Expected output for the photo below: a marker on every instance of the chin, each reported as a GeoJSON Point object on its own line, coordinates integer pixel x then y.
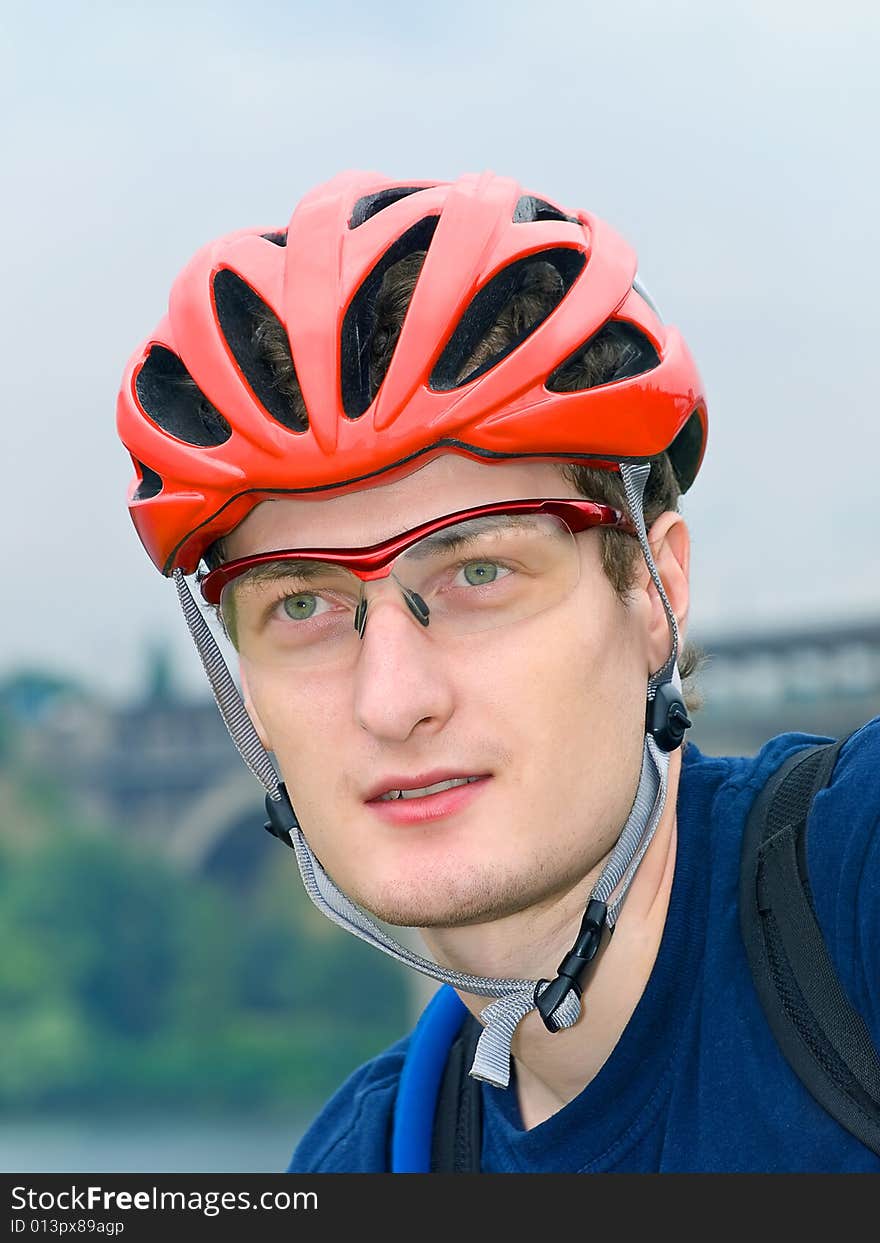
{"type": "Point", "coordinates": [453, 901]}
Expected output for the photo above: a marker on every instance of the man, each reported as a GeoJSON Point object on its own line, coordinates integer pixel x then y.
{"type": "Point", "coordinates": [427, 444]}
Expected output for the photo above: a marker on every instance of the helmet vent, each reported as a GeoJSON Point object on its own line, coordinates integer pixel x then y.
{"type": "Point", "coordinates": [617, 351]}
{"type": "Point", "coordinates": [505, 313]}
{"type": "Point", "coordinates": [359, 328]}
{"type": "Point", "coordinates": [173, 400]}
{"type": "Point", "coordinates": [371, 204]}
{"type": "Point", "coordinates": [686, 450]}
{"type": "Point", "coordinates": [529, 209]}
{"type": "Point", "coordinates": [150, 484]}
{"type": "Point", "coordinates": [277, 239]}
{"type": "Point", "coordinates": [260, 346]}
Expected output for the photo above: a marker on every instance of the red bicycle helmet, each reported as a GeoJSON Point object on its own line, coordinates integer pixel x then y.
{"type": "Point", "coordinates": [211, 437]}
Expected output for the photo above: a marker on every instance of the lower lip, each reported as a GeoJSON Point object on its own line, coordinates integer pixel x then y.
{"type": "Point", "coordinates": [429, 806]}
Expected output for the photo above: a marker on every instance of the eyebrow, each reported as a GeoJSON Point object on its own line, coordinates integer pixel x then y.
{"type": "Point", "coordinates": [275, 571]}
{"type": "Point", "coordinates": [462, 533]}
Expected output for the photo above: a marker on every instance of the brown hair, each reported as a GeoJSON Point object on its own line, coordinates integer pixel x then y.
{"type": "Point", "coordinates": [538, 290]}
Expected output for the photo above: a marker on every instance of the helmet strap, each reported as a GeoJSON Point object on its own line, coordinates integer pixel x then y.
{"type": "Point", "coordinates": [666, 718]}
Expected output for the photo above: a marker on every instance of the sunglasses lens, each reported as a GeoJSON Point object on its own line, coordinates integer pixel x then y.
{"type": "Point", "coordinates": [491, 571]}
{"type": "Point", "coordinates": [476, 575]}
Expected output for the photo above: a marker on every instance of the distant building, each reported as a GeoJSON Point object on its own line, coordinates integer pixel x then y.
{"type": "Point", "coordinates": [817, 680]}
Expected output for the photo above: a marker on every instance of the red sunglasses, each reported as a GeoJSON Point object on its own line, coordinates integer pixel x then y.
{"type": "Point", "coordinates": [373, 562]}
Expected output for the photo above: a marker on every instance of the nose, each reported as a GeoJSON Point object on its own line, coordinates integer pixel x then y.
{"type": "Point", "coordinates": [401, 681]}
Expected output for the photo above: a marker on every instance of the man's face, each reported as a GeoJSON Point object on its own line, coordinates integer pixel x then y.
{"type": "Point", "coordinates": [549, 711]}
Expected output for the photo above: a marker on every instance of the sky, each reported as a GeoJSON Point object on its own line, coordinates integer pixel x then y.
{"type": "Point", "coordinates": [734, 145]}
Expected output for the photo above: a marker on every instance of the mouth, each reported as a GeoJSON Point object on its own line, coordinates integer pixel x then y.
{"type": "Point", "coordinates": [437, 788]}
{"type": "Point", "coordinates": [419, 804]}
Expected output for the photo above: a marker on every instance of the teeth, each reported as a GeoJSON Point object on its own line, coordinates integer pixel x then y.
{"type": "Point", "coordinates": [434, 789]}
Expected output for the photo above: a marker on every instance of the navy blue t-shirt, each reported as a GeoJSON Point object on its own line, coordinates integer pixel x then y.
{"type": "Point", "coordinates": [696, 1081]}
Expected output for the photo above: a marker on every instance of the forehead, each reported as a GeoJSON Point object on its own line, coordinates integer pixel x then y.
{"type": "Point", "coordinates": [364, 517]}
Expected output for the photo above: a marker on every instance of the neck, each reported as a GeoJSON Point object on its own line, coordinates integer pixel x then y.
{"type": "Point", "coordinates": [552, 1069]}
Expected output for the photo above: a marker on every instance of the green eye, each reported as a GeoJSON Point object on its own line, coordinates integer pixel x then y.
{"type": "Point", "coordinates": [300, 607]}
{"type": "Point", "coordinates": [479, 572]}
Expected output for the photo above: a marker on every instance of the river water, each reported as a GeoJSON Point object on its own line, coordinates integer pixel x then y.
{"type": "Point", "coordinates": [149, 1146]}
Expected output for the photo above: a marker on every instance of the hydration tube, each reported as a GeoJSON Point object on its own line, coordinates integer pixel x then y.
{"type": "Point", "coordinates": [429, 1045]}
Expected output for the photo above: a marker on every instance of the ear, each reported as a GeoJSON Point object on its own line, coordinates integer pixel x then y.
{"type": "Point", "coordinates": [251, 710]}
{"type": "Point", "coordinates": [670, 544]}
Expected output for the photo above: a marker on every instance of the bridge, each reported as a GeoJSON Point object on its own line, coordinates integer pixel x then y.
{"type": "Point", "coordinates": [818, 679]}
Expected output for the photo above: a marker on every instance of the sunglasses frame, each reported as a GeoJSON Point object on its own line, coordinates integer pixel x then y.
{"type": "Point", "coordinates": [375, 561]}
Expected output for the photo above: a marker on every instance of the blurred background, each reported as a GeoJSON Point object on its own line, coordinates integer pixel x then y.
{"type": "Point", "coordinates": [169, 1000]}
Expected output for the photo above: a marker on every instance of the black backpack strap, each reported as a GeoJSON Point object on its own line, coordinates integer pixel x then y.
{"type": "Point", "coordinates": [823, 1038]}
{"type": "Point", "coordinates": [455, 1146]}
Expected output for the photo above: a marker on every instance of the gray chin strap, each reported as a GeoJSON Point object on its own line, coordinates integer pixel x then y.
{"type": "Point", "coordinates": [513, 998]}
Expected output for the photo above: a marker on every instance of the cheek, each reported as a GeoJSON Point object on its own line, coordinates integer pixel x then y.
{"type": "Point", "coordinates": [580, 652]}
{"type": "Point", "coordinates": [557, 685]}
{"type": "Point", "coordinates": [571, 697]}
{"type": "Point", "coordinates": [300, 715]}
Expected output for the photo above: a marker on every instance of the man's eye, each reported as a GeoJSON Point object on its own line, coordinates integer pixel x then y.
{"type": "Point", "coordinates": [480, 573]}
{"type": "Point", "coordinates": [302, 606]}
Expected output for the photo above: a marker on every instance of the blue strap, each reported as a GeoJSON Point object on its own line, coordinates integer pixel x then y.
{"type": "Point", "coordinates": [420, 1079]}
